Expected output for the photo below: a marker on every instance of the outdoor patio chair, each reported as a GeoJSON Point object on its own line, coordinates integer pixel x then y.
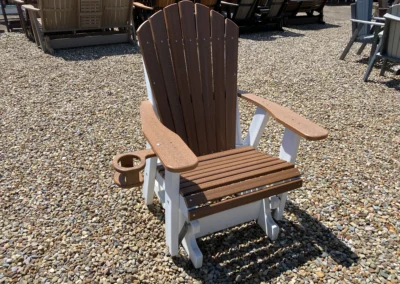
{"type": "Point", "coordinates": [72, 23]}
{"type": "Point", "coordinates": [364, 29]}
{"type": "Point", "coordinates": [24, 17]}
{"type": "Point", "coordinates": [206, 178]}
{"type": "Point", "coordinates": [242, 12]}
{"type": "Point", "coordinates": [10, 23]}
{"type": "Point", "coordinates": [271, 12]}
{"type": "Point", "coordinates": [298, 12]}
{"type": "Point", "coordinates": [144, 9]}
{"type": "Point", "coordinates": [389, 46]}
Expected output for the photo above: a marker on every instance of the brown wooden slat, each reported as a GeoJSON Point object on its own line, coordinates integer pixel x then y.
{"type": "Point", "coordinates": [226, 163]}
{"type": "Point", "coordinates": [222, 162]}
{"type": "Point", "coordinates": [208, 177]}
{"type": "Point", "coordinates": [172, 20]}
{"type": "Point", "coordinates": [221, 192]}
{"type": "Point", "coordinates": [162, 48]}
{"type": "Point", "coordinates": [225, 153]}
{"type": "Point", "coordinates": [155, 74]}
{"type": "Point", "coordinates": [235, 166]}
{"type": "Point", "coordinates": [231, 46]}
{"type": "Point", "coordinates": [218, 54]}
{"type": "Point", "coordinates": [234, 178]}
{"type": "Point", "coordinates": [203, 40]}
{"type": "Point", "coordinates": [188, 25]}
{"type": "Point", "coordinates": [242, 200]}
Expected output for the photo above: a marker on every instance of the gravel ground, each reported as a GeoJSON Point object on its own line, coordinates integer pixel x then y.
{"type": "Point", "coordinates": [63, 118]}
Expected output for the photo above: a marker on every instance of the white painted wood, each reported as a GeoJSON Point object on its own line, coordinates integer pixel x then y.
{"type": "Point", "coordinates": [266, 221]}
{"type": "Point", "coordinates": [239, 141]}
{"type": "Point", "coordinates": [257, 127]}
{"type": "Point", "coordinates": [149, 90]}
{"type": "Point", "coordinates": [190, 244]}
{"type": "Point", "coordinates": [149, 178]}
{"type": "Point", "coordinates": [160, 192]}
{"type": "Point", "coordinates": [228, 218]}
{"type": "Point", "coordinates": [172, 211]}
{"type": "Point", "coordinates": [288, 152]}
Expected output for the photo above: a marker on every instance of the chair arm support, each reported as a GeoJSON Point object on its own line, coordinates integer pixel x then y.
{"type": "Point", "coordinates": [380, 19]}
{"type": "Point", "coordinates": [173, 152]}
{"type": "Point", "coordinates": [229, 4]}
{"type": "Point", "coordinates": [31, 7]}
{"type": "Point", "coordinates": [19, 2]}
{"type": "Point", "coordinates": [142, 6]}
{"type": "Point", "coordinates": [368, 22]}
{"type": "Point", "coordinates": [392, 17]}
{"type": "Point", "coordinates": [298, 124]}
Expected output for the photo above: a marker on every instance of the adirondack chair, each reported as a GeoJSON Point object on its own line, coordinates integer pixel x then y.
{"type": "Point", "coordinates": [208, 179]}
{"type": "Point", "coordinates": [307, 8]}
{"type": "Point", "coordinates": [271, 12]}
{"type": "Point", "coordinates": [212, 4]}
{"type": "Point", "coordinates": [143, 10]}
{"type": "Point", "coordinates": [389, 46]}
{"type": "Point", "coordinates": [24, 17]}
{"type": "Point", "coordinates": [72, 23]}
{"type": "Point", "coordinates": [361, 18]}
{"type": "Point", "coordinates": [10, 24]}
{"type": "Point", "coordinates": [242, 12]}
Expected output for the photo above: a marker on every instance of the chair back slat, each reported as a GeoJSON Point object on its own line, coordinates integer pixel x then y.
{"type": "Point", "coordinates": [218, 54]}
{"type": "Point", "coordinates": [245, 9]}
{"type": "Point", "coordinates": [157, 23]}
{"type": "Point", "coordinates": [194, 74]}
{"type": "Point", "coordinates": [192, 65]}
{"type": "Point", "coordinates": [231, 46]}
{"type": "Point", "coordinates": [275, 8]}
{"type": "Point", "coordinates": [204, 46]}
{"type": "Point", "coordinates": [154, 72]}
{"type": "Point", "coordinates": [393, 46]}
{"type": "Point", "coordinates": [172, 19]}
{"type": "Point", "coordinates": [364, 13]}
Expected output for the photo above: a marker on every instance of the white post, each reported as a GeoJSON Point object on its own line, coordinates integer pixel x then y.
{"type": "Point", "coordinates": [172, 211]}
{"type": "Point", "coordinates": [288, 152]}
{"type": "Point", "coordinates": [149, 179]}
{"type": "Point", "coordinates": [266, 221]}
{"type": "Point", "coordinates": [239, 141]}
{"type": "Point", "coordinates": [257, 127]}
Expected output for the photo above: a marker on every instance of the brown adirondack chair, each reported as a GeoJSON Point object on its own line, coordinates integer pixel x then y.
{"type": "Point", "coordinates": [72, 23]}
{"type": "Point", "coordinates": [144, 9]}
{"type": "Point", "coordinates": [208, 178]}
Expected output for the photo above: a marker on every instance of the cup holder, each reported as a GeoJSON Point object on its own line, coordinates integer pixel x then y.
{"type": "Point", "coordinates": [128, 167]}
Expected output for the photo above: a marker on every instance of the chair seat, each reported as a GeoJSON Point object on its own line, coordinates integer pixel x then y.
{"type": "Point", "coordinates": [232, 178]}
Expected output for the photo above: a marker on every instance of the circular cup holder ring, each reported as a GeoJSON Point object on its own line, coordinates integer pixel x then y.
{"type": "Point", "coordinates": [128, 167]}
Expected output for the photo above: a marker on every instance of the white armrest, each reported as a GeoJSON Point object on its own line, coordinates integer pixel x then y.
{"type": "Point", "coordinates": [368, 23]}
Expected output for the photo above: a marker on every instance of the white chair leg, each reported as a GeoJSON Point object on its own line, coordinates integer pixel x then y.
{"type": "Point", "coordinates": [288, 152]}
{"type": "Point", "coordinates": [190, 244]}
{"type": "Point", "coordinates": [149, 180]}
{"type": "Point", "coordinates": [266, 221]}
{"type": "Point", "coordinates": [172, 211]}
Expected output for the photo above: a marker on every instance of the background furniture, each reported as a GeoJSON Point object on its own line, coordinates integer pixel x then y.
{"type": "Point", "coordinates": [72, 23]}
{"type": "Point", "coordinates": [389, 46]}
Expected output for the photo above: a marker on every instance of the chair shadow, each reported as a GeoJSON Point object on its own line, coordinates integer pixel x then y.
{"type": "Point", "coordinates": [266, 35]}
{"type": "Point", "coordinates": [314, 27]}
{"type": "Point", "coordinates": [96, 52]}
{"type": "Point", "coordinates": [246, 251]}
